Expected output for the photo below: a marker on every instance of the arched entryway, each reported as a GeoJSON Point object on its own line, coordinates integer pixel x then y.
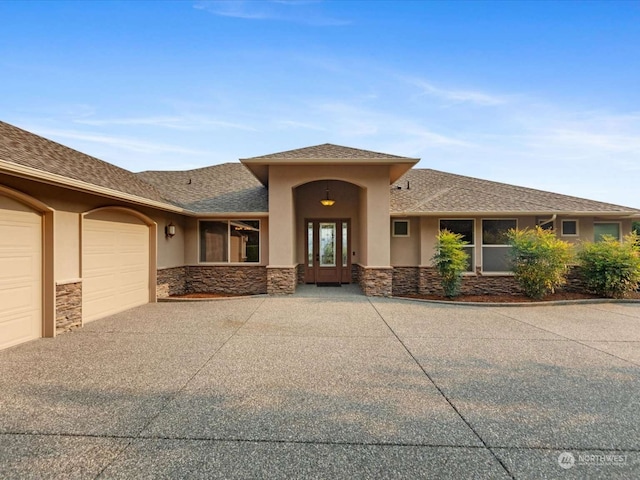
{"type": "Point", "coordinates": [327, 232]}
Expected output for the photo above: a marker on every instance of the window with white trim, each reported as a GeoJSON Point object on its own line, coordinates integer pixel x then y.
{"type": "Point", "coordinates": [495, 245]}
{"type": "Point", "coordinates": [611, 229]}
{"type": "Point", "coordinates": [401, 228]}
{"type": "Point", "coordinates": [569, 228]}
{"type": "Point", "coordinates": [465, 228]}
{"type": "Point", "coordinates": [229, 241]}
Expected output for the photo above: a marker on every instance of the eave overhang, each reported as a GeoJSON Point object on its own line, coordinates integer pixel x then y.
{"type": "Point", "coordinates": [517, 213]}
{"type": "Point", "coordinates": [54, 179]}
{"type": "Point", "coordinates": [259, 167]}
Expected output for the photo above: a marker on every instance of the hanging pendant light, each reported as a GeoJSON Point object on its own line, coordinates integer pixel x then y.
{"type": "Point", "coordinates": [327, 202]}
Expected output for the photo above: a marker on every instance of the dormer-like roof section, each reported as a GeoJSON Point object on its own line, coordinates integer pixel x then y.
{"type": "Point", "coordinates": [228, 187]}
{"type": "Point", "coordinates": [32, 156]}
{"type": "Point", "coordinates": [328, 154]}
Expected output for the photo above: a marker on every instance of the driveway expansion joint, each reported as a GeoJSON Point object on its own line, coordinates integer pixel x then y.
{"type": "Point", "coordinates": [444, 395]}
{"type": "Point", "coordinates": [576, 341]}
{"type": "Point", "coordinates": [171, 397]}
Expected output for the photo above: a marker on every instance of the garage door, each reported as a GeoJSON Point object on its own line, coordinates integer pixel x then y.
{"type": "Point", "coordinates": [115, 264]}
{"type": "Point", "coordinates": [20, 273]}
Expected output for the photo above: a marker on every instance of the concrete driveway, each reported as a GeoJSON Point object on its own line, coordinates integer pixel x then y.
{"type": "Point", "coordinates": [328, 384]}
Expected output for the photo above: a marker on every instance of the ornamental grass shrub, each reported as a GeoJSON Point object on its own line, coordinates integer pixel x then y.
{"type": "Point", "coordinates": [450, 261]}
{"type": "Point", "coordinates": [540, 260]}
{"type": "Point", "coordinates": [611, 268]}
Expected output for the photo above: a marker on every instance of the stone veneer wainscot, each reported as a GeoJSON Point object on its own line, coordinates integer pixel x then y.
{"type": "Point", "coordinates": [376, 281]}
{"type": "Point", "coordinates": [281, 280]}
{"type": "Point", "coordinates": [68, 305]}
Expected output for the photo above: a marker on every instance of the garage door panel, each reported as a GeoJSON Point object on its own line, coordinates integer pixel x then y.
{"type": "Point", "coordinates": [19, 268]}
{"type": "Point", "coordinates": [18, 236]}
{"type": "Point", "coordinates": [19, 296]}
{"type": "Point", "coordinates": [115, 266]}
{"type": "Point", "coordinates": [22, 328]}
{"type": "Point", "coordinates": [20, 273]}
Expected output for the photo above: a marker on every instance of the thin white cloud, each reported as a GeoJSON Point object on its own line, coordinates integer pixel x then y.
{"type": "Point", "coordinates": [353, 120]}
{"type": "Point", "coordinates": [589, 140]}
{"type": "Point", "coordinates": [172, 122]}
{"type": "Point", "coordinates": [458, 96]}
{"type": "Point", "coordinates": [293, 124]}
{"type": "Point", "coordinates": [137, 146]}
{"type": "Point", "coordinates": [279, 10]}
{"type": "Point", "coordinates": [587, 134]}
{"type": "Point", "coordinates": [236, 9]}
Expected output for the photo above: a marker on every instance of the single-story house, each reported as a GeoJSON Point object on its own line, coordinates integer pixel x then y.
{"type": "Point", "coordinates": [81, 238]}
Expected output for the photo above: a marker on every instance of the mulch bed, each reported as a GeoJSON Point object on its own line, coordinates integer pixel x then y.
{"type": "Point", "coordinates": [208, 295]}
{"type": "Point", "coordinates": [515, 298]}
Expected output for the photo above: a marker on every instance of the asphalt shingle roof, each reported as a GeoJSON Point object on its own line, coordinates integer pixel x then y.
{"type": "Point", "coordinates": [435, 191]}
{"type": "Point", "coordinates": [328, 151]}
{"type": "Point", "coordinates": [25, 148]}
{"type": "Point", "coordinates": [229, 187]}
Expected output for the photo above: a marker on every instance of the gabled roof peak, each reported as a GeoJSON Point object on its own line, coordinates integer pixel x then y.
{"type": "Point", "coordinates": [328, 154]}
{"type": "Point", "coordinates": [328, 151]}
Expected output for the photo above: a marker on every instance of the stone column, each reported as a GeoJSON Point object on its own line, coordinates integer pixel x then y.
{"type": "Point", "coordinates": [68, 306]}
{"type": "Point", "coordinates": [281, 280]}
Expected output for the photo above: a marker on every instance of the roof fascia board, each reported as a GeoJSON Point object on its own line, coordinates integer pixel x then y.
{"type": "Point", "coordinates": [331, 161]}
{"type": "Point", "coordinates": [201, 215]}
{"type": "Point", "coordinates": [517, 214]}
{"type": "Point", "coordinates": [260, 167]}
{"type": "Point", "coordinates": [31, 173]}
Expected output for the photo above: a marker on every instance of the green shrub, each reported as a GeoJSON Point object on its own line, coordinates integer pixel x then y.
{"type": "Point", "coordinates": [540, 260]}
{"type": "Point", "coordinates": [450, 261]}
{"type": "Point", "coordinates": [611, 268]}
{"type": "Point", "coordinates": [635, 227]}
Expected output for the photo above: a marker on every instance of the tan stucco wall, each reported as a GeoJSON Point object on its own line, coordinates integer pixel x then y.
{"type": "Point", "coordinates": [170, 250]}
{"type": "Point", "coordinates": [406, 251]}
{"type": "Point", "coordinates": [366, 193]}
{"type": "Point", "coordinates": [374, 207]}
{"type": "Point", "coordinates": [362, 231]}
{"type": "Point", "coordinates": [191, 241]}
{"type": "Point", "coordinates": [69, 205]}
{"type": "Point", "coordinates": [585, 227]}
{"type": "Point", "coordinates": [67, 245]}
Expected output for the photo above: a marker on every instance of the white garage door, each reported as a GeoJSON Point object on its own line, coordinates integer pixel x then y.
{"type": "Point", "coordinates": [20, 273]}
{"type": "Point", "coordinates": [115, 264]}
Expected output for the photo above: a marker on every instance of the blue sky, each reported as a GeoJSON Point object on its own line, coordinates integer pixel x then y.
{"type": "Point", "coordinates": [540, 94]}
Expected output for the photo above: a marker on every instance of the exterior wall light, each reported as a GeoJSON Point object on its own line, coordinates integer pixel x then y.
{"type": "Point", "coordinates": [327, 202]}
{"type": "Point", "coordinates": [170, 230]}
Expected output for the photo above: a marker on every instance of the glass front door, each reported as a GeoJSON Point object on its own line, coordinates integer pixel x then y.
{"type": "Point", "coordinates": [328, 259]}
{"type": "Point", "coordinates": [327, 250]}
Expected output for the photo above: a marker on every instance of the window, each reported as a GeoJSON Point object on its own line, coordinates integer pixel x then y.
{"type": "Point", "coordinates": [345, 244]}
{"type": "Point", "coordinates": [401, 228]}
{"type": "Point", "coordinates": [230, 241]}
{"type": "Point", "coordinates": [464, 228]}
{"type": "Point", "coordinates": [569, 228]}
{"type": "Point", "coordinates": [545, 224]}
{"type": "Point", "coordinates": [601, 229]}
{"type": "Point", "coordinates": [495, 247]}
